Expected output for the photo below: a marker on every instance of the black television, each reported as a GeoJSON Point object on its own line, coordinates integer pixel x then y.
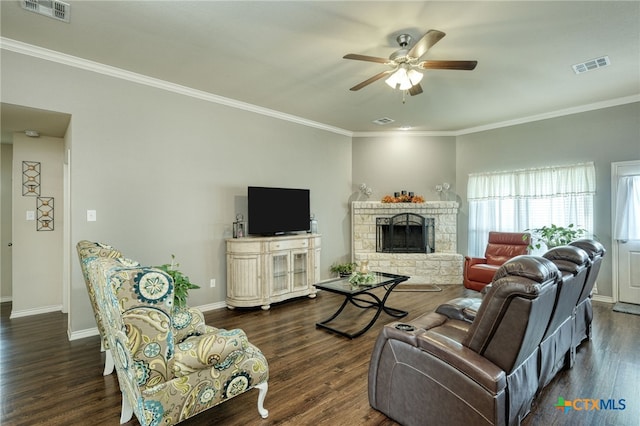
{"type": "Point", "coordinates": [277, 211]}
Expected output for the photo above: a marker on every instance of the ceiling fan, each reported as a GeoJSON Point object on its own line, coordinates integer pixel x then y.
{"type": "Point", "coordinates": [406, 61]}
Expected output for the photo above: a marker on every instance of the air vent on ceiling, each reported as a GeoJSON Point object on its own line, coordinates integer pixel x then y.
{"type": "Point", "coordinates": [52, 8]}
{"type": "Point", "coordinates": [384, 120]}
{"type": "Point", "coordinates": [591, 65]}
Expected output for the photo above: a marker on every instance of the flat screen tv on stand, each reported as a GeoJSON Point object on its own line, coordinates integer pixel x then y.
{"type": "Point", "coordinates": [278, 211]}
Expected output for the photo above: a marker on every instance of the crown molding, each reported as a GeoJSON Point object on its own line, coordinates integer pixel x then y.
{"type": "Point", "coordinates": [73, 61]}
{"type": "Point", "coordinates": [404, 133]}
{"type": "Point", "coordinates": [553, 114]}
{"type": "Point", "coordinates": [87, 65]}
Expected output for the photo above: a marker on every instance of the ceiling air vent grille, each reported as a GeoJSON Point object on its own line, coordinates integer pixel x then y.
{"type": "Point", "coordinates": [591, 65]}
{"type": "Point", "coordinates": [52, 8]}
{"type": "Point", "coordinates": [384, 120]}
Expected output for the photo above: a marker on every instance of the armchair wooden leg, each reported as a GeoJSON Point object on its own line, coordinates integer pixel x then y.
{"type": "Point", "coordinates": [108, 363]}
{"type": "Point", "coordinates": [262, 387]}
{"type": "Point", "coordinates": [127, 411]}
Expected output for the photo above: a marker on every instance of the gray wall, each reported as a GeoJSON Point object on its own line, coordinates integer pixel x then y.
{"type": "Point", "coordinates": [603, 136]}
{"type": "Point", "coordinates": [402, 162]}
{"type": "Point", "coordinates": [6, 156]}
{"type": "Point", "coordinates": [167, 173]}
{"type": "Point", "coordinates": [37, 280]}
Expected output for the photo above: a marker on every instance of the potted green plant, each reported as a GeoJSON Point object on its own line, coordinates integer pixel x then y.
{"type": "Point", "coordinates": [343, 269]}
{"type": "Point", "coordinates": [181, 283]}
{"type": "Point", "coordinates": [553, 236]}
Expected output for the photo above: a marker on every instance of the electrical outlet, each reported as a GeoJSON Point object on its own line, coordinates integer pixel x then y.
{"type": "Point", "coordinates": [212, 283]}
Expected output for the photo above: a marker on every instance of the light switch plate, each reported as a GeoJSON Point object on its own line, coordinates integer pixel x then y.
{"type": "Point", "coordinates": [91, 215]}
{"type": "Point", "coordinates": [31, 215]}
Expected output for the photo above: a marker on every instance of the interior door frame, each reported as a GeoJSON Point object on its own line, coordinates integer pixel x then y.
{"type": "Point", "coordinates": [615, 173]}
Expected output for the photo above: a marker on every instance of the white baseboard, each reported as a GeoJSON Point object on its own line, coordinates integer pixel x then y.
{"type": "Point", "coordinates": [81, 334]}
{"type": "Point", "coordinates": [6, 299]}
{"type": "Point", "coordinates": [34, 311]}
{"type": "Point", "coordinates": [211, 306]}
{"type": "Point", "coordinates": [605, 299]}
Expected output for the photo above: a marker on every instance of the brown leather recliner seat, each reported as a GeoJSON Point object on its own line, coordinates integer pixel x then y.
{"type": "Point", "coordinates": [556, 349]}
{"type": "Point", "coordinates": [440, 371]}
{"type": "Point", "coordinates": [502, 246]}
{"type": "Point", "coordinates": [584, 309]}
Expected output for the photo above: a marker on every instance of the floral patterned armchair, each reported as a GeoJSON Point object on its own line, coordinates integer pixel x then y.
{"type": "Point", "coordinates": [88, 251]}
{"type": "Point", "coordinates": [170, 364]}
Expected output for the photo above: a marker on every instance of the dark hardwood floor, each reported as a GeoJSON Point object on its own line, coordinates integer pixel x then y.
{"type": "Point", "coordinates": [316, 378]}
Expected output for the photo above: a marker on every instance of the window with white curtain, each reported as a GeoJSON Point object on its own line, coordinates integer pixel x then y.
{"type": "Point", "coordinates": [627, 221]}
{"type": "Point", "coordinates": [513, 201]}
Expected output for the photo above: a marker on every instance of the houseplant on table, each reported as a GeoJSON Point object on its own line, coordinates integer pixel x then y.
{"type": "Point", "coordinates": [343, 269]}
{"type": "Point", "coordinates": [553, 236]}
{"type": "Point", "coordinates": [181, 282]}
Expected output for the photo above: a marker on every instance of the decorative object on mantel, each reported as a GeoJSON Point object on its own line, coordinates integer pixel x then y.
{"type": "Point", "coordinates": [366, 190]}
{"type": "Point", "coordinates": [443, 187]}
{"type": "Point", "coordinates": [31, 178]}
{"type": "Point", "coordinates": [442, 190]}
{"type": "Point", "coordinates": [403, 197]}
{"type": "Point", "coordinates": [45, 214]}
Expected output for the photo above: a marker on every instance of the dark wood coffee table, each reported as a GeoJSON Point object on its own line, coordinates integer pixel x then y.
{"type": "Point", "coordinates": [353, 294]}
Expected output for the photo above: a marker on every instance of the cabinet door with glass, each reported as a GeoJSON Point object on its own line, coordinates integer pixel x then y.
{"type": "Point", "coordinates": [280, 278]}
{"type": "Point", "coordinates": [299, 270]}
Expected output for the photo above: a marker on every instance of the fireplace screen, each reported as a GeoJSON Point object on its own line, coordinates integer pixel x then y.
{"type": "Point", "coordinates": [405, 233]}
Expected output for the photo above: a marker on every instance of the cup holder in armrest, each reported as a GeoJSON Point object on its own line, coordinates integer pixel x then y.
{"type": "Point", "coordinates": [405, 327]}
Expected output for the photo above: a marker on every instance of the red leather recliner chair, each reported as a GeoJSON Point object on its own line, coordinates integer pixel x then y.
{"type": "Point", "coordinates": [502, 246]}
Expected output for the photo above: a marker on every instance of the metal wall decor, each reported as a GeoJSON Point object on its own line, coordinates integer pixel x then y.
{"type": "Point", "coordinates": [31, 178]}
{"type": "Point", "coordinates": [45, 214]}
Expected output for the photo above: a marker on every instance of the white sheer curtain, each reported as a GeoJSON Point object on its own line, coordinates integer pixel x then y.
{"type": "Point", "coordinates": [627, 221]}
{"type": "Point", "coordinates": [513, 201]}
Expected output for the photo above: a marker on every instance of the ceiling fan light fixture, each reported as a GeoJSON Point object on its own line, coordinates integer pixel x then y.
{"type": "Point", "coordinates": [403, 61]}
{"type": "Point", "coordinates": [397, 78]}
{"type": "Point", "coordinates": [414, 76]}
{"type": "Point", "coordinates": [404, 79]}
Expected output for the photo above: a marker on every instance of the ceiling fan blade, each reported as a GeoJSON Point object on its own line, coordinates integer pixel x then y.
{"type": "Point", "coordinates": [370, 80]}
{"type": "Point", "coordinates": [425, 43]}
{"type": "Point", "coordinates": [415, 90]}
{"type": "Point", "coordinates": [365, 58]}
{"type": "Point", "coordinates": [448, 65]}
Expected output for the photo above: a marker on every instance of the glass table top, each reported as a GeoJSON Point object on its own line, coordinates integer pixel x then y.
{"type": "Point", "coordinates": [343, 286]}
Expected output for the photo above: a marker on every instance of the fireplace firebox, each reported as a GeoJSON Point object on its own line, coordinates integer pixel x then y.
{"type": "Point", "coordinates": [405, 233]}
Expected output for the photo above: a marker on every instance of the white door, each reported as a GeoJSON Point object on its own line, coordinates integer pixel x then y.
{"type": "Point", "coordinates": [626, 230]}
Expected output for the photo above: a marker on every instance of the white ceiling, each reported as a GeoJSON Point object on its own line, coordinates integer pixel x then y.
{"type": "Point", "coordinates": [286, 56]}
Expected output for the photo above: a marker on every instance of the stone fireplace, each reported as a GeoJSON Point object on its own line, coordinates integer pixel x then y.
{"type": "Point", "coordinates": [434, 262]}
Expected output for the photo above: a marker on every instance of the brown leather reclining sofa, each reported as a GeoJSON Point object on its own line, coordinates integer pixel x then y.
{"type": "Point", "coordinates": [482, 361]}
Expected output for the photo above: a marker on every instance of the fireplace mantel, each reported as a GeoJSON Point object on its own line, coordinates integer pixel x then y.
{"type": "Point", "coordinates": [442, 267]}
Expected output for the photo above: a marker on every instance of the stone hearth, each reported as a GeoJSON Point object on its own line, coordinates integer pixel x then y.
{"type": "Point", "coordinates": [444, 266]}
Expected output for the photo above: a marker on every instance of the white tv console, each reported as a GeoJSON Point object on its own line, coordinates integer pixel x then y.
{"type": "Point", "coordinates": [265, 270]}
